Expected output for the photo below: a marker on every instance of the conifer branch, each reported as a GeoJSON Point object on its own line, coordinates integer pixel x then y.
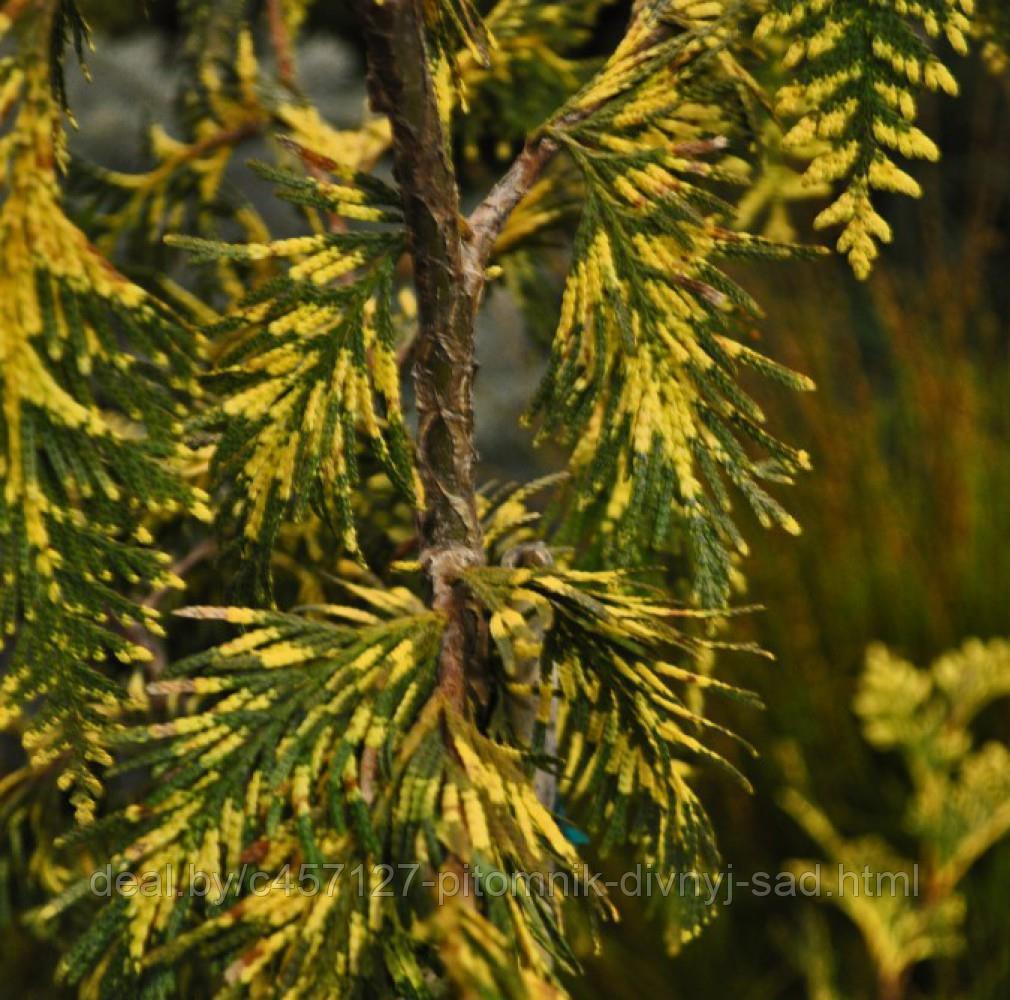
{"type": "Point", "coordinates": [401, 84]}
{"type": "Point", "coordinates": [488, 220]}
{"type": "Point", "coordinates": [528, 685]}
{"type": "Point", "coordinates": [95, 374]}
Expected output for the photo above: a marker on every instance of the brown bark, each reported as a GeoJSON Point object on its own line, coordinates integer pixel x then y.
{"type": "Point", "coordinates": [401, 86]}
{"type": "Point", "coordinates": [489, 218]}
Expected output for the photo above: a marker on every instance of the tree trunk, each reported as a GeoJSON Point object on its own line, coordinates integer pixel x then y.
{"type": "Point", "coordinates": [402, 87]}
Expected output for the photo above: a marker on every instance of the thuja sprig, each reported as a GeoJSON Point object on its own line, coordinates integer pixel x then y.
{"type": "Point", "coordinates": [857, 71]}
{"type": "Point", "coordinates": [958, 808]}
{"type": "Point", "coordinates": [95, 374]}
{"type": "Point", "coordinates": [327, 739]}
{"type": "Point", "coordinates": [646, 354]}
{"type": "Point", "coordinates": [610, 658]}
{"type": "Point", "coordinates": [311, 368]}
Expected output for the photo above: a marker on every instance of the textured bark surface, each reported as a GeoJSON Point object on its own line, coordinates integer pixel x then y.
{"type": "Point", "coordinates": [489, 218]}
{"type": "Point", "coordinates": [401, 86]}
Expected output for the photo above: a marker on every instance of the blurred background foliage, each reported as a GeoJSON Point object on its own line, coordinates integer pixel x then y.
{"type": "Point", "coordinates": [906, 521]}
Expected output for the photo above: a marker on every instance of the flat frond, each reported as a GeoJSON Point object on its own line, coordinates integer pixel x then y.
{"type": "Point", "coordinates": [613, 706]}
{"type": "Point", "coordinates": [279, 756]}
{"type": "Point", "coordinates": [322, 787]}
{"type": "Point", "coordinates": [898, 934]}
{"type": "Point", "coordinates": [856, 71]}
{"type": "Point", "coordinates": [227, 101]}
{"type": "Point", "coordinates": [643, 375]}
{"type": "Point", "coordinates": [309, 368]}
{"type": "Point", "coordinates": [530, 70]}
{"type": "Point", "coordinates": [958, 810]}
{"type": "Point", "coordinates": [960, 806]}
{"type": "Point", "coordinates": [95, 372]}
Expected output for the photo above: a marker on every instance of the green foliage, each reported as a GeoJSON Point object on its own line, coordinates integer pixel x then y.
{"type": "Point", "coordinates": [89, 434]}
{"type": "Point", "coordinates": [453, 731]}
{"type": "Point", "coordinates": [225, 101]}
{"type": "Point", "coordinates": [992, 26]}
{"type": "Point", "coordinates": [857, 67]}
{"type": "Point", "coordinates": [269, 772]}
{"type": "Point", "coordinates": [905, 541]}
{"type": "Point", "coordinates": [960, 805]}
{"type": "Point", "coordinates": [309, 365]}
{"type": "Point", "coordinates": [186, 189]}
{"type": "Point", "coordinates": [605, 692]}
{"type": "Point", "coordinates": [530, 74]}
{"type": "Point", "coordinates": [646, 355]}
{"type": "Point", "coordinates": [313, 742]}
